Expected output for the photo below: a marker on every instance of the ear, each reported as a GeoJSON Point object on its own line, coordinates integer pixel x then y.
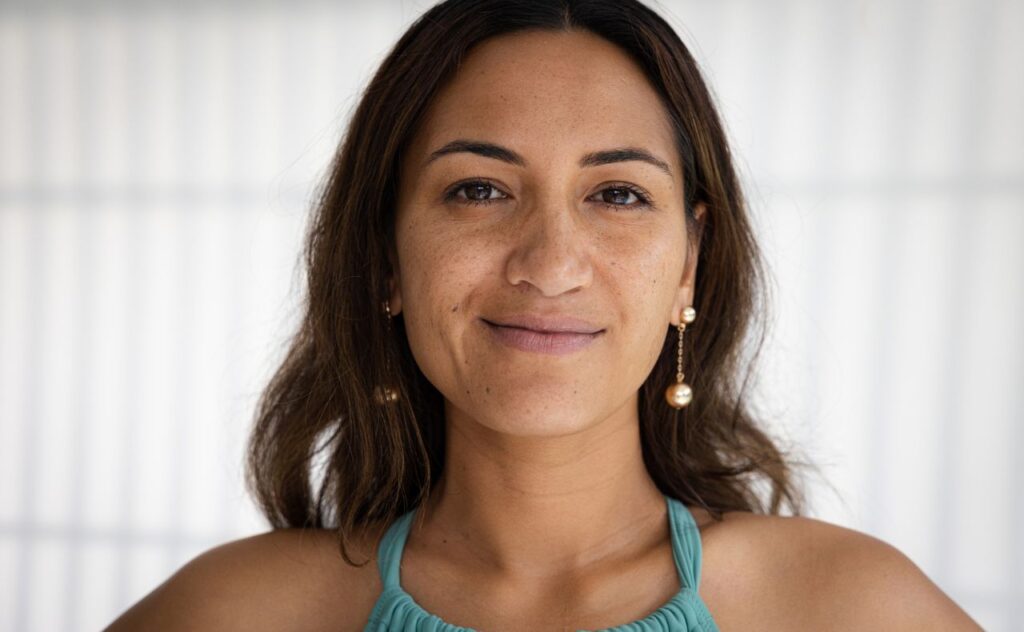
{"type": "Point", "coordinates": [394, 284]}
{"type": "Point", "coordinates": [684, 297]}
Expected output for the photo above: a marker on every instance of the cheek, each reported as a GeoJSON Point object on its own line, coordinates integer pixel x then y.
{"type": "Point", "coordinates": [647, 282]}
{"type": "Point", "coordinates": [439, 279]}
{"type": "Point", "coordinates": [438, 285]}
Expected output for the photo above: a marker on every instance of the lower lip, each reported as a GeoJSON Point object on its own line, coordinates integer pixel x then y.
{"type": "Point", "coordinates": [541, 342]}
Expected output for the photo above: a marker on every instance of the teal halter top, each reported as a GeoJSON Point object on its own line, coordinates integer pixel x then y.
{"type": "Point", "coordinates": [685, 611]}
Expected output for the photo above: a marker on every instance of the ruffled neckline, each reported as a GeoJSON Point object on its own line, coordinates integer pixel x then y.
{"type": "Point", "coordinates": [398, 610]}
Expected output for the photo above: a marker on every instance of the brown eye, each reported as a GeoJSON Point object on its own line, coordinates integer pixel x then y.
{"type": "Point", "coordinates": [622, 193]}
{"type": "Point", "coordinates": [476, 192]}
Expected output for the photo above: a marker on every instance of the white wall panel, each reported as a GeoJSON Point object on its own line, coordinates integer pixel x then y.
{"type": "Point", "coordinates": [156, 167]}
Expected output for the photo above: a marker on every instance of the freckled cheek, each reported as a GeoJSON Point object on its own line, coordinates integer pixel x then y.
{"type": "Point", "coordinates": [442, 281]}
{"type": "Point", "coordinates": [424, 324]}
{"type": "Point", "coordinates": [646, 289]}
{"type": "Point", "coordinates": [440, 310]}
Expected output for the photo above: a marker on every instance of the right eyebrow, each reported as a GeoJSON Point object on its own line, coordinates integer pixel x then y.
{"type": "Point", "coordinates": [481, 148]}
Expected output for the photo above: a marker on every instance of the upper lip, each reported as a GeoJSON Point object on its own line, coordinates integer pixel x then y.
{"type": "Point", "coordinates": [548, 323]}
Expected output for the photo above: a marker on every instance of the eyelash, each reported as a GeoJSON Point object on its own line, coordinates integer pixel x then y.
{"type": "Point", "coordinates": [643, 200]}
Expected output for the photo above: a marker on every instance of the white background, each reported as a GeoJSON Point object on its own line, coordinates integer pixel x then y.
{"type": "Point", "coordinates": [156, 168]}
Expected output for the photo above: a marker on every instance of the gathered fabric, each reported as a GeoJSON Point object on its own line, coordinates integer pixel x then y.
{"type": "Point", "coordinates": [396, 610]}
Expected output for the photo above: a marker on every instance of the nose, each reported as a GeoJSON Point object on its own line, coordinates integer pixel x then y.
{"type": "Point", "coordinates": [552, 250]}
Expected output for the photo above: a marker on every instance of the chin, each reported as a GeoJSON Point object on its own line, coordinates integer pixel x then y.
{"type": "Point", "coordinates": [533, 423]}
{"type": "Point", "coordinates": [525, 404]}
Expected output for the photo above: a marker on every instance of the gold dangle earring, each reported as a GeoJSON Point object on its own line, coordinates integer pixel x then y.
{"type": "Point", "coordinates": [385, 394]}
{"type": "Point", "coordinates": [678, 395]}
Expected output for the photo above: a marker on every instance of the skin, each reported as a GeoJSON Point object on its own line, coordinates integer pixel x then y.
{"type": "Point", "coordinates": [545, 517]}
{"type": "Point", "coordinates": [544, 481]}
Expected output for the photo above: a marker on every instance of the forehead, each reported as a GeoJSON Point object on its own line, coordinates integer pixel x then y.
{"type": "Point", "coordinates": [549, 94]}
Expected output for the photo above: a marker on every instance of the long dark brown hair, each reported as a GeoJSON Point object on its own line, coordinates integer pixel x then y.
{"type": "Point", "coordinates": [324, 453]}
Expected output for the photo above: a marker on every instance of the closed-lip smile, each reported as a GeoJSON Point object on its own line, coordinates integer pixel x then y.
{"type": "Point", "coordinates": [546, 324]}
{"type": "Point", "coordinates": [547, 335]}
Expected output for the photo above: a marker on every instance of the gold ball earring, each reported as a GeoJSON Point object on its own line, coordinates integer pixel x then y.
{"type": "Point", "coordinates": [384, 394]}
{"type": "Point", "coordinates": [678, 395]}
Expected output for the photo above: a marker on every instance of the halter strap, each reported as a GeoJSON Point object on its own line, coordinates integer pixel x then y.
{"type": "Point", "coordinates": [686, 546]}
{"type": "Point", "coordinates": [389, 553]}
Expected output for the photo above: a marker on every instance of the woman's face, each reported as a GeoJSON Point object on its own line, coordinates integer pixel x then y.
{"type": "Point", "coordinates": [535, 228]}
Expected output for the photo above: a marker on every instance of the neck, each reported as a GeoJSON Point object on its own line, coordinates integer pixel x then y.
{"type": "Point", "coordinates": [541, 507]}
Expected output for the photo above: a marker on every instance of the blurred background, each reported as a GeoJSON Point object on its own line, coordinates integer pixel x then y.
{"type": "Point", "coordinates": [157, 162]}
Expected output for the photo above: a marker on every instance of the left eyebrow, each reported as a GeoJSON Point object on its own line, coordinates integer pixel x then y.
{"type": "Point", "coordinates": [592, 159]}
{"type": "Point", "coordinates": [624, 154]}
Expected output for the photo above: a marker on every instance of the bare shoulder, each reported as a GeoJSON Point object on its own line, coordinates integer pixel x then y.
{"type": "Point", "coordinates": [287, 579]}
{"type": "Point", "coordinates": [784, 572]}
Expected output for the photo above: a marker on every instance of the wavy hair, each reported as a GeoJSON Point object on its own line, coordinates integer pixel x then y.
{"type": "Point", "coordinates": [323, 453]}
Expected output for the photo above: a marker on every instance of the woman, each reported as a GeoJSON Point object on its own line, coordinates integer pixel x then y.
{"type": "Point", "coordinates": [489, 391]}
